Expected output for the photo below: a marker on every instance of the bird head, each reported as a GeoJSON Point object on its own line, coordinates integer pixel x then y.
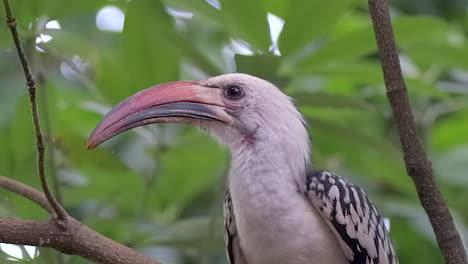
{"type": "Point", "coordinates": [239, 110]}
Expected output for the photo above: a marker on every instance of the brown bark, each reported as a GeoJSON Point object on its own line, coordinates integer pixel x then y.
{"type": "Point", "coordinates": [76, 239]}
{"type": "Point", "coordinates": [417, 164]}
{"type": "Point", "coordinates": [26, 191]}
{"type": "Point", "coordinates": [69, 236]}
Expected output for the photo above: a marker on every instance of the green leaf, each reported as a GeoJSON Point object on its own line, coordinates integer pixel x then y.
{"type": "Point", "coordinates": [359, 137]}
{"type": "Point", "coordinates": [112, 77]}
{"type": "Point", "coordinates": [149, 59]}
{"type": "Point", "coordinates": [200, 8]}
{"type": "Point", "coordinates": [450, 131]}
{"type": "Point", "coordinates": [442, 55]}
{"type": "Point", "coordinates": [6, 160]}
{"type": "Point", "coordinates": [13, 87]}
{"type": "Point", "coordinates": [247, 20]}
{"type": "Point", "coordinates": [97, 175]}
{"type": "Point", "coordinates": [210, 43]}
{"type": "Point", "coordinates": [350, 46]}
{"type": "Point", "coordinates": [195, 232]}
{"type": "Point", "coordinates": [187, 50]}
{"type": "Point", "coordinates": [163, 30]}
{"type": "Point", "coordinates": [69, 113]}
{"type": "Point", "coordinates": [66, 44]}
{"type": "Point", "coordinates": [449, 165]}
{"type": "Point", "coordinates": [66, 9]}
{"type": "Point", "coordinates": [321, 99]}
{"type": "Point", "coordinates": [263, 66]}
{"type": "Point", "coordinates": [416, 30]}
{"type": "Point", "coordinates": [26, 11]}
{"type": "Point", "coordinates": [119, 187]}
{"type": "Point", "coordinates": [177, 184]}
{"type": "Point", "coordinates": [420, 88]}
{"type": "Point", "coordinates": [279, 8]}
{"type": "Point", "coordinates": [22, 133]}
{"type": "Point", "coordinates": [308, 20]}
{"type": "Point", "coordinates": [21, 207]}
{"type": "Point", "coordinates": [5, 35]}
{"type": "Point", "coordinates": [360, 72]}
{"type": "Point", "coordinates": [408, 30]}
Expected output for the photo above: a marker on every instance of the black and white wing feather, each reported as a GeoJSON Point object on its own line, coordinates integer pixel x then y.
{"type": "Point", "coordinates": [352, 217]}
{"type": "Point", "coordinates": [231, 238]}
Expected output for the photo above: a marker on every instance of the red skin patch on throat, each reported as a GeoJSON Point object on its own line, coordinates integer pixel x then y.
{"type": "Point", "coordinates": [249, 136]}
{"type": "Point", "coordinates": [249, 139]}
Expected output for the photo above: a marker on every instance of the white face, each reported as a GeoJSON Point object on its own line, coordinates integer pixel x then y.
{"type": "Point", "coordinates": [261, 112]}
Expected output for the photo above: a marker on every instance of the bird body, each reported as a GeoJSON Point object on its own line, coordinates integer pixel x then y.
{"type": "Point", "coordinates": [278, 224]}
{"type": "Point", "coordinates": [272, 214]}
{"type": "Point", "coordinates": [277, 209]}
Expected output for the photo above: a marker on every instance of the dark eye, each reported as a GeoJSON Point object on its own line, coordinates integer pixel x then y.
{"type": "Point", "coordinates": [233, 92]}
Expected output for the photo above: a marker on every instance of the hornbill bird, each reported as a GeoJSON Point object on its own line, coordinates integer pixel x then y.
{"type": "Point", "coordinates": [278, 209]}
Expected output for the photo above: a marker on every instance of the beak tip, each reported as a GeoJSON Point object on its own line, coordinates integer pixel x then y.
{"type": "Point", "coordinates": [90, 144]}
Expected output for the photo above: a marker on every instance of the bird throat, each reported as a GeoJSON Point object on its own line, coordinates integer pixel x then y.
{"type": "Point", "coordinates": [259, 156]}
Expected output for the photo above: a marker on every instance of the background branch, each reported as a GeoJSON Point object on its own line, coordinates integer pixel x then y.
{"type": "Point", "coordinates": [417, 164]}
{"type": "Point", "coordinates": [31, 84]}
{"type": "Point", "coordinates": [26, 191]}
{"type": "Point", "coordinates": [76, 239]}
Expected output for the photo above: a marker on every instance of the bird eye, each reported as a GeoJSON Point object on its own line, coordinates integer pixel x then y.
{"type": "Point", "coordinates": [233, 92]}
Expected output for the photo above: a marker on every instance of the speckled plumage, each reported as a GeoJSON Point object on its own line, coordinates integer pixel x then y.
{"type": "Point", "coordinates": [352, 217]}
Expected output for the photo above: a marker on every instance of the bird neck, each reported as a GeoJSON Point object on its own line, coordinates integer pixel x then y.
{"type": "Point", "coordinates": [271, 158]}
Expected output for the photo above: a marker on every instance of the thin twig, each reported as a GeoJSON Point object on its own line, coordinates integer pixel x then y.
{"type": "Point", "coordinates": [26, 191]}
{"type": "Point", "coordinates": [417, 164]}
{"type": "Point", "coordinates": [31, 84]}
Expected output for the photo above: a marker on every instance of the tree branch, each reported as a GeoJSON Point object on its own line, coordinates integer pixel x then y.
{"type": "Point", "coordinates": [78, 239]}
{"type": "Point", "coordinates": [31, 84]}
{"type": "Point", "coordinates": [75, 238]}
{"type": "Point", "coordinates": [417, 164]}
{"type": "Point", "coordinates": [26, 191]}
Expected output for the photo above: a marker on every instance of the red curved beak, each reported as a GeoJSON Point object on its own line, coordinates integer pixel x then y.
{"type": "Point", "coordinates": [174, 102]}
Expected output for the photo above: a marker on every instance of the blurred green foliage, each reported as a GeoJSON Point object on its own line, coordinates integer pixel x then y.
{"type": "Point", "coordinates": [159, 188]}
